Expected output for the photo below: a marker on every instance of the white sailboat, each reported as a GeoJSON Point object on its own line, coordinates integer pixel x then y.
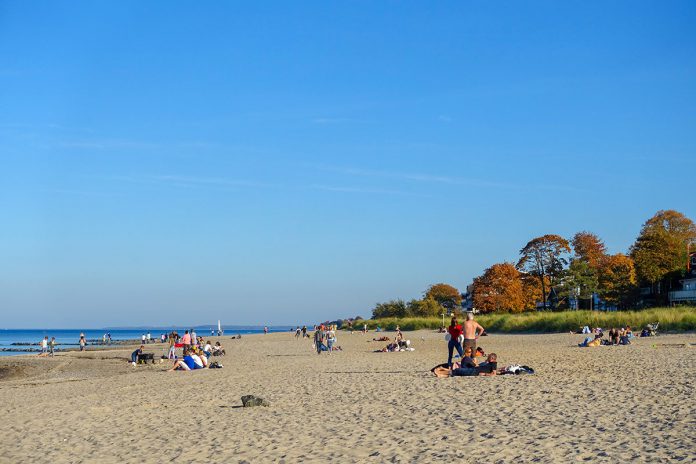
{"type": "Point", "coordinates": [219, 328]}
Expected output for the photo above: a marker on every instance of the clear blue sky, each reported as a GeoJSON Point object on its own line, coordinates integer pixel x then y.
{"type": "Point", "coordinates": [283, 162]}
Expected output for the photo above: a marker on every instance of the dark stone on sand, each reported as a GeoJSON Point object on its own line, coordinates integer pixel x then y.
{"type": "Point", "coordinates": [249, 401]}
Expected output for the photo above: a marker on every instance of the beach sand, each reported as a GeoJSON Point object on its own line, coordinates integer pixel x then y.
{"type": "Point", "coordinates": [606, 404]}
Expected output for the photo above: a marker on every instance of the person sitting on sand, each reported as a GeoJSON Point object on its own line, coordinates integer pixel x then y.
{"type": "Point", "coordinates": [208, 349]}
{"type": "Point", "coordinates": [198, 359]}
{"type": "Point", "coordinates": [218, 350]}
{"type": "Point", "coordinates": [136, 354]}
{"type": "Point", "coordinates": [185, 364]}
{"type": "Point", "coordinates": [614, 335]}
{"type": "Point", "coordinates": [488, 368]}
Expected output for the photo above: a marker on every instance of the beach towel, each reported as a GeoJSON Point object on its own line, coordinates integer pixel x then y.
{"type": "Point", "coordinates": [517, 370]}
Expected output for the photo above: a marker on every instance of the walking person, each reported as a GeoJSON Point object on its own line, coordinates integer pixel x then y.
{"type": "Point", "coordinates": [52, 346]}
{"type": "Point", "coordinates": [44, 345]}
{"type": "Point", "coordinates": [319, 339]}
{"type": "Point", "coordinates": [455, 331]}
{"type": "Point", "coordinates": [331, 338]}
{"type": "Point", "coordinates": [83, 342]}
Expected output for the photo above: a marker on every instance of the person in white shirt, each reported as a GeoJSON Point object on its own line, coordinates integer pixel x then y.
{"type": "Point", "coordinates": [44, 344]}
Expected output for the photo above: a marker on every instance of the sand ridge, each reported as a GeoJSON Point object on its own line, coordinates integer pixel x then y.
{"type": "Point", "coordinates": [601, 404]}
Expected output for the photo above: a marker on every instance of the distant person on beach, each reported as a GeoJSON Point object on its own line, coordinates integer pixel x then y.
{"type": "Point", "coordinates": [364, 328]}
{"type": "Point", "coordinates": [135, 356]}
{"type": "Point", "coordinates": [304, 332]}
{"type": "Point", "coordinates": [298, 332]}
{"type": "Point", "coordinates": [83, 342]}
{"type": "Point", "coordinates": [52, 346]}
{"type": "Point", "coordinates": [331, 338]}
{"type": "Point", "coordinates": [265, 330]}
{"type": "Point", "coordinates": [455, 331]}
{"type": "Point", "coordinates": [142, 339]}
{"type": "Point", "coordinates": [44, 344]}
{"type": "Point", "coordinates": [208, 349]}
{"type": "Point", "coordinates": [194, 337]}
{"type": "Point", "coordinates": [218, 350]}
{"type": "Point", "coordinates": [472, 331]}
{"type": "Point", "coordinates": [186, 340]}
{"type": "Point", "coordinates": [172, 346]}
{"type": "Point", "coordinates": [319, 336]}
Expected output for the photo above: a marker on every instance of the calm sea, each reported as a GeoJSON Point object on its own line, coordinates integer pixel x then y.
{"type": "Point", "coordinates": [71, 337]}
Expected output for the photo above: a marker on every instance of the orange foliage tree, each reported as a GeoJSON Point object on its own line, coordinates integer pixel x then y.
{"type": "Point", "coordinates": [446, 295]}
{"type": "Point", "coordinates": [589, 248]}
{"type": "Point", "coordinates": [499, 289]}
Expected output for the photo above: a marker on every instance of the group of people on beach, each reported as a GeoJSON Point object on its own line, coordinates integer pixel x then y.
{"type": "Point", "coordinates": [325, 339]}
{"type": "Point", "coordinates": [301, 332]}
{"type": "Point", "coordinates": [616, 336]}
{"type": "Point", "coordinates": [463, 339]}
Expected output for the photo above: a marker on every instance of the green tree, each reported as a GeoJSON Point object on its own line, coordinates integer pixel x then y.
{"type": "Point", "coordinates": [545, 258]}
{"type": "Point", "coordinates": [427, 307]}
{"type": "Point", "coordinates": [617, 280]}
{"type": "Point", "coordinates": [579, 279]}
{"type": "Point", "coordinates": [393, 308]}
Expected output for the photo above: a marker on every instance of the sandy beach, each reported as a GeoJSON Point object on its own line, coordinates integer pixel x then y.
{"type": "Point", "coordinates": [629, 403]}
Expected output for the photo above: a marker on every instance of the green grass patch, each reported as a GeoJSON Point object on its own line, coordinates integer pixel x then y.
{"type": "Point", "coordinates": [671, 320]}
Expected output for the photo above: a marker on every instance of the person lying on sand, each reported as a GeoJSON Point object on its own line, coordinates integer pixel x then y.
{"type": "Point", "coordinates": [488, 368]}
{"type": "Point", "coordinates": [381, 339]}
{"type": "Point", "coordinates": [466, 361]}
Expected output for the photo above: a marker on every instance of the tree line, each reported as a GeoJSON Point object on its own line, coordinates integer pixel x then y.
{"type": "Point", "coordinates": [570, 270]}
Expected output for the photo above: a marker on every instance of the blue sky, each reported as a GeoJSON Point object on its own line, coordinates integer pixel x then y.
{"type": "Point", "coordinates": [288, 162]}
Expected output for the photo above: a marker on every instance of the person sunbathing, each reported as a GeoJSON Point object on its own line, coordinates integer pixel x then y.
{"type": "Point", "coordinates": [381, 339]}
{"type": "Point", "coordinates": [488, 368]}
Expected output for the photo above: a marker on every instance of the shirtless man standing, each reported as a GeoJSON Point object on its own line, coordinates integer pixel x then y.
{"type": "Point", "coordinates": [472, 331]}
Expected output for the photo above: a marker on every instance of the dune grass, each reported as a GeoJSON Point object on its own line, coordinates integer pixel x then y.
{"type": "Point", "coordinates": [670, 319]}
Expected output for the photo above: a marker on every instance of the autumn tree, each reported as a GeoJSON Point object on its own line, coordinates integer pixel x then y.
{"type": "Point", "coordinates": [532, 290]}
{"type": "Point", "coordinates": [617, 280]}
{"type": "Point", "coordinates": [589, 248]}
{"type": "Point", "coordinates": [499, 289]}
{"type": "Point", "coordinates": [545, 257]}
{"type": "Point", "coordinates": [661, 246]}
{"type": "Point", "coordinates": [446, 295]}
